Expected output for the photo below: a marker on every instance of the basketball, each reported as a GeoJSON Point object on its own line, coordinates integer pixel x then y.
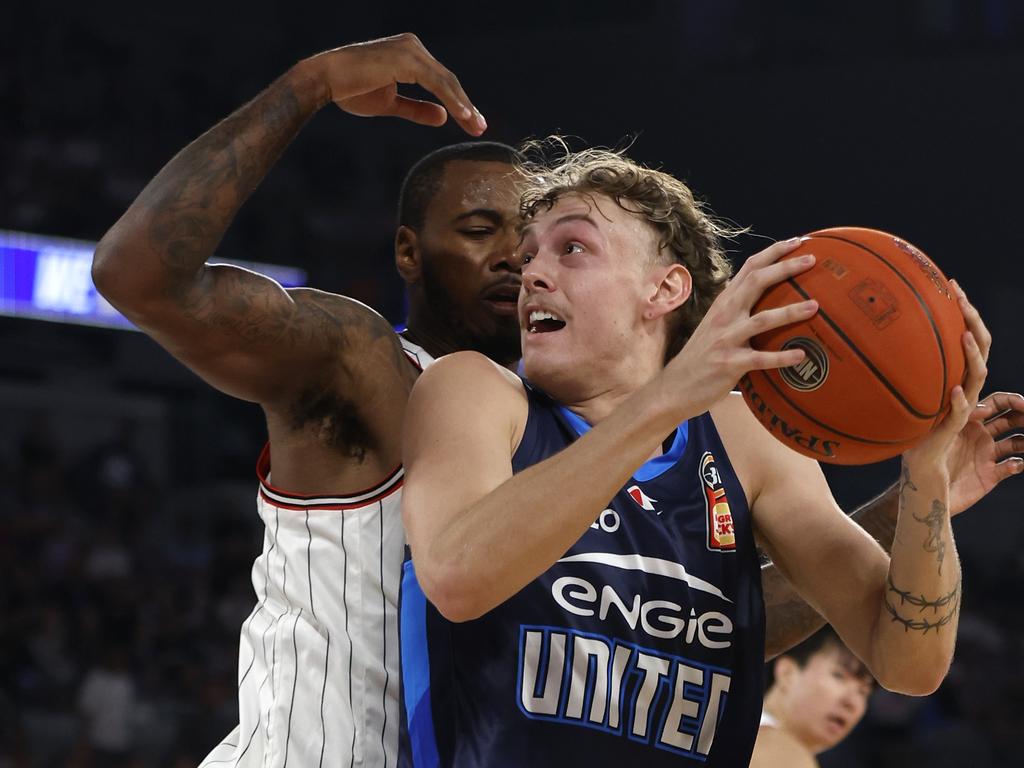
{"type": "Point", "coordinates": [883, 351]}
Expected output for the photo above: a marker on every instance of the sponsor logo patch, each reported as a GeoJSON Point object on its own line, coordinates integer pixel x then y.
{"type": "Point", "coordinates": [641, 498]}
{"type": "Point", "coordinates": [721, 533]}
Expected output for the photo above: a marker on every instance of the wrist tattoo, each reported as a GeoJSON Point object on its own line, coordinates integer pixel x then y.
{"type": "Point", "coordinates": [906, 484]}
{"type": "Point", "coordinates": [921, 623]}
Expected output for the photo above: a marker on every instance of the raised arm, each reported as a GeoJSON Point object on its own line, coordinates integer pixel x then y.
{"type": "Point", "coordinates": [241, 331]}
{"type": "Point", "coordinates": [898, 615]}
{"type": "Point", "coordinates": [981, 457]}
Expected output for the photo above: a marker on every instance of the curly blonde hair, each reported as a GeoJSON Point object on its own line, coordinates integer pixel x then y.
{"type": "Point", "coordinates": [688, 233]}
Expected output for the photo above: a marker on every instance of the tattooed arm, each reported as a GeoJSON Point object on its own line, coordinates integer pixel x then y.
{"type": "Point", "coordinates": [982, 457]}
{"type": "Point", "coordinates": [238, 330]}
{"type": "Point", "coordinates": [898, 614]}
{"type": "Point", "coordinates": [788, 618]}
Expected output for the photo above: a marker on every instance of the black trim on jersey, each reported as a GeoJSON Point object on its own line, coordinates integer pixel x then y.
{"type": "Point", "coordinates": [295, 682]}
{"type": "Point", "coordinates": [323, 695]}
{"type": "Point", "coordinates": [344, 599]}
{"type": "Point", "coordinates": [309, 564]}
{"type": "Point", "coordinates": [384, 635]}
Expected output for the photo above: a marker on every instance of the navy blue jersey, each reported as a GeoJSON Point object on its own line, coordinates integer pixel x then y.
{"type": "Point", "coordinates": [643, 645]}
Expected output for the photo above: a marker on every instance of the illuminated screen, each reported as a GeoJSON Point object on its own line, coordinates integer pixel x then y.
{"type": "Point", "coordinates": [49, 278]}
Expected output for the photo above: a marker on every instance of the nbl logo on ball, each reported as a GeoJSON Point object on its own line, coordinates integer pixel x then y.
{"type": "Point", "coordinates": [811, 372]}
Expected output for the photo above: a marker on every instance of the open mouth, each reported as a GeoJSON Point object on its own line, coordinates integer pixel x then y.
{"type": "Point", "coordinates": [504, 299]}
{"type": "Point", "coordinates": [544, 322]}
{"type": "Point", "coordinates": [837, 721]}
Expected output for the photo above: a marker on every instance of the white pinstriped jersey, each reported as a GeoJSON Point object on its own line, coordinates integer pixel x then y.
{"type": "Point", "coordinates": [318, 657]}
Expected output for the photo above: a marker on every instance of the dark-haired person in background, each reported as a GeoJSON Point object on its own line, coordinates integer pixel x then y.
{"type": "Point", "coordinates": [818, 693]}
{"type": "Point", "coordinates": [332, 379]}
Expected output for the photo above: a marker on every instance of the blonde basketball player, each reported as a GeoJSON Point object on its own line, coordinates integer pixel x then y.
{"type": "Point", "coordinates": [318, 675]}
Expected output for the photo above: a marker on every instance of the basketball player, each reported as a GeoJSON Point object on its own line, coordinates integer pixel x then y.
{"type": "Point", "coordinates": [543, 623]}
{"type": "Point", "coordinates": [819, 692]}
{"type": "Point", "coordinates": [332, 381]}
{"type": "Point", "coordinates": [318, 662]}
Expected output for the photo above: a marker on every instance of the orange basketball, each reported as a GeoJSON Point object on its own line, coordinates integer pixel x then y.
{"type": "Point", "coordinates": [883, 351]}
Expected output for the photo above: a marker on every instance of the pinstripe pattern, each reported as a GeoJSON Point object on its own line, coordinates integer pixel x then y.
{"type": "Point", "coordinates": [329, 570]}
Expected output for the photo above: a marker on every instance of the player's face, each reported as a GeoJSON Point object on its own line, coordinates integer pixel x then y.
{"type": "Point", "coordinates": [470, 271]}
{"type": "Point", "coordinates": [827, 698]}
{"type": "Point", "coordinates": [586, 269]}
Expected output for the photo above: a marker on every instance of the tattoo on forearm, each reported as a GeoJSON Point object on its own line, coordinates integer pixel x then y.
{"type": "Point", "coordinates": [921, 623]}
{"type": "Point", "coordinates": [935, 520]}
{"type": "Point", "coordinates": [906, 484]}
{"type": "Point", "coordinates": [936, 540]}
{"type": "Point", "coordinates": [920, 601]}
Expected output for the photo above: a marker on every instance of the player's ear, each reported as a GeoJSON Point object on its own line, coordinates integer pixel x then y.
{"type": "Point", "coordinates": [784, 671]}
{"type": "Point", "coordinates": [670, 289]}
{"type": "Point", "coordinates": [408, 257]}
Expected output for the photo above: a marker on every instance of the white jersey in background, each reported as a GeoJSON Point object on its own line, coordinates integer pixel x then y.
{"type": "Point", "coordinates": [318, 658]}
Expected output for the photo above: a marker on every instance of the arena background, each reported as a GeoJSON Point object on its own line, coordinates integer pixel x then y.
{"type": "Point", "coordinates": [127, 526]}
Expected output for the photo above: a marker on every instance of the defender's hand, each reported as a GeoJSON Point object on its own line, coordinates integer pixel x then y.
{"type": "Point", "coordinates": [363, 79]}
{"type": "Point", "coordinates": [982, 455]}
{"type": "Point", "coordinates": [718, 353]}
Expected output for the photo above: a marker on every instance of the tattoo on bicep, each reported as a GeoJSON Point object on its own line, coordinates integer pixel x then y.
{"type": "Point", "coordinates": [921, 622]}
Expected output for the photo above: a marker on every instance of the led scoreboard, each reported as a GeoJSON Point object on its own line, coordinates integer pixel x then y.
{"type": "Point", "coordinates": [49, 278]}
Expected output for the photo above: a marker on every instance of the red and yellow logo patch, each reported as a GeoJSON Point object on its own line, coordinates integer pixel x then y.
{"type": "Point", "coordinates": [721, 533]}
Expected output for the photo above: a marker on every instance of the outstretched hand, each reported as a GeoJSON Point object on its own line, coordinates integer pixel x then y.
{"type": "Point", "coordinates": [978, 440]}
{"type": "Point", "coordinates": [363, 79]}
{"type": "Point", "coordinates": [982, 455]}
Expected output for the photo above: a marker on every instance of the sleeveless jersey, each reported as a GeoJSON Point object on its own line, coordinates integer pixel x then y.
{"type": "Point", "coordinates": [318, 659]}
{"type": "Point", "coordinates": [643, 645]}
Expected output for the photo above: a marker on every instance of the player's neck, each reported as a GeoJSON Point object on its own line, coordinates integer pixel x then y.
{"type": "Point", "coordinates": [595, 395]}
{"type": "Point", "coordinates": [775, 706]}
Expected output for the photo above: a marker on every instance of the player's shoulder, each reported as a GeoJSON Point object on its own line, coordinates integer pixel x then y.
{"type": "Point", "coordinates": [473, 376]}
{"type": "Point", "coordinates": [776, 748]}
{"type": "Point", "coordinates": [467, 392]}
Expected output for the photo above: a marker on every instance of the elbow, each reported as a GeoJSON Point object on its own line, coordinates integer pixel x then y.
{"type": "Point", "coordinates": [102, 270]}
{"type": "Point", "coordinates": [455, 596]}
{"type": "Point", "coordinates": [108, 269]}
{"type": "Point", "coordinates": [915, 679]}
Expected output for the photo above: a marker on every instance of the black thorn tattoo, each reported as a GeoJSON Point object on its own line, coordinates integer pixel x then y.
{"type": "Point", "coordinates": [920, 601]}
{"type": "Point", "coordinates": [921, 625]}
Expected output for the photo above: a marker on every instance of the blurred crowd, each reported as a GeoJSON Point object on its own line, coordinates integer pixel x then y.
{"type": "Point", "coordinates": [122, 600]}
{"type": "Point", "coordinates": [121, 603]}
{"type": "Point", "coordinates": [121, 596]}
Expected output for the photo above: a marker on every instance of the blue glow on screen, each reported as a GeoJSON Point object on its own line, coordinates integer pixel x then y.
{"type": "Point", "coordinates": [49, 278]}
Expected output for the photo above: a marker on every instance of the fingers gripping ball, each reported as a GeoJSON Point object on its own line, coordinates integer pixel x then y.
{"type": "Point", "coordinates": [882, 353]}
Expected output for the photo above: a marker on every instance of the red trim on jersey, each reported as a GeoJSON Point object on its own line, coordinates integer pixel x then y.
{"type": "Point", "coordinates": [289, 500]}
{"type": "Point", "coordinates": [413, 360]}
